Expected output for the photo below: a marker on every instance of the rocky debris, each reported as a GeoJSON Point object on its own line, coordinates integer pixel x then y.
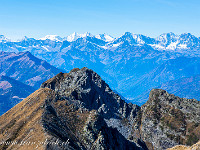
{"type": "Point", "coordinates": [99, 136]}
{"type": "Point", "coordinates": [167, 120]}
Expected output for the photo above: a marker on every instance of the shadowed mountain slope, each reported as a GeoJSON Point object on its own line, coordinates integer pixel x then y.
{"type": "Point", "coordinates": [75, 108]}
{"type": "Point", "coordinates": [12, 92]}
{"type": "Point", "coordinates": [26, 68]}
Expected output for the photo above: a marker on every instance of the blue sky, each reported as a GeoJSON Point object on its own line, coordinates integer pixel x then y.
{"type": "Point", "coordinates": [38, 18]}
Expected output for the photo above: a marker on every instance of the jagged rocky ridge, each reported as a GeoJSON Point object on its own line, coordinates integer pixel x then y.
{"type": "Point", "coordinates": [81, 107]}
{"type": "Point", "coordinates": [86, 90]}
{"type": "Point", "coordinates": [78, 106]}
{"type": "Point", "coordinates": [167, 120]}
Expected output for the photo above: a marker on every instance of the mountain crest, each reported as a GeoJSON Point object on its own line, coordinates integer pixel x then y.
{"type": "Point", "coordinates": [76, 107]}
{"type": "Point", "coordinates": [52, 38]}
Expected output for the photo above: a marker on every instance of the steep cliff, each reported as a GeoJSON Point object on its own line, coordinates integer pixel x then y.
{"type": "Point", "coordinates": [76, 110]}
{"type": "Point", "coordinates": [167, 120]}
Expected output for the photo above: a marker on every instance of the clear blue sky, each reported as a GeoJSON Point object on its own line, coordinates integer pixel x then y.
{"type": "Point", "coordinates": [37, 18]}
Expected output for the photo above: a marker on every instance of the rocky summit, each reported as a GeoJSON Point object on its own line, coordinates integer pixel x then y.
{"type": "Point", "coordinates": [75, 110]}
{"type": "Point", "coordinates": [167, 120]}
{"type": "Point", "coordinates": [78, 110]}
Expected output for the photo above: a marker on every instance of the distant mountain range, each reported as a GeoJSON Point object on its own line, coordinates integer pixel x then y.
{"type": "Point", "coordinates": [131, 64]}
{"type": "Point", "coordinates": [20, 75]}
{"type": "Point", "coordinates": [12, 92]}
{"type": "Point", "coordinates": [26, 68]}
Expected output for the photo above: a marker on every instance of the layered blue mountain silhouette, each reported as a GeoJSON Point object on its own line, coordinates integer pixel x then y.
{"type": "Point", "coordinates": [131, 64]}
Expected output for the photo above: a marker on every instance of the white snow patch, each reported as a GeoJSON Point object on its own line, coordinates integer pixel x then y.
{"type": "Point", "coordinates": [157, 46]}
{"type": "Point", "coordinates": [116, 45]}
{"type": "Point", "coordinates": [182, 46]}
{"type": "Point", "coordinates": [45, 48]}
{"type": "Point", "coordinates": [106, 38]}
{"type": "Point", "coordinates": [138, 39]}
{"type": "Point", "coordinates": [172, 46]}
{"type": "Point", "coordinates": [104, 47]}
{"type": "Point", "coordinates": [52, 38]}
{"type": "Point", "coordinates": [5, 85]}
{"type": "Point", "coordinates": [17, 97]}
{"type": "Point", "coordinates": [75, 36]}
{"type": "Point", "coordinates": [75, 57]}
{"type": "Point", "coordinates": [3, 38]}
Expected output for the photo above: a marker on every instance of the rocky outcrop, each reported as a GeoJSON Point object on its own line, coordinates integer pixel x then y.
{"type": "Point", "coordinates": [167, 120]}
{"type": "Point", "coordinates": [78, 110]}
{"type": "Point", "coordinates": [70, 111]}
{"type": "Point", "coordinates": [85, 89]}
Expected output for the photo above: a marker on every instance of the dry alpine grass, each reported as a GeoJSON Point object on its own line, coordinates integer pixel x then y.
{"type": "Point", "coordinates": [22, 123]}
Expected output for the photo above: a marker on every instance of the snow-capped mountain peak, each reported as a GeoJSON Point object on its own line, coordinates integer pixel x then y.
{"type": "Point", "coordinates": [132, 38]}
{"type": "Point", "coordinates": [52, 38]}
{"type": "Point", "coordinates": [3, 38]}
{"type": "Point", "coordinates": [74, 36]}
{"type": "Point", "coordinates": [86, 34]}
{"type": "Point", "coordinates": [105, 37]}
{"type": "Point", "coordinates": [167, 38]}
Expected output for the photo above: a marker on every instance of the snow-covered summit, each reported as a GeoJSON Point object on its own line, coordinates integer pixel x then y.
{"type": "Point", "coordinates": [105, 37]}
{"type": "Point", "coordinates": [132, 38]}
{"type": "Point", "coordinates": [3, 38]}
{"type": "Point", "coordinates": [171, 41]}
{"type": "Point", "coordinates": [74, 36]}
{"type": "Point", "coordinates": [184, 43]}
{"type": "Point", "coordinates": [52, 37]}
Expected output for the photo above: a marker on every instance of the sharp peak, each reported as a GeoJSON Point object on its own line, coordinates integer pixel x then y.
{"type": "Point", "coordinates": [132, 34]}
{"type": "Point", "coordinates": [3, 37]}
{"type": "Point", "coordinates": [59, 77]}
{"type": "Point", "coordinates": [161, 92]}
{"type": "Point", "coordinates": [27, 38]}
{"type": "Point", "coordinates": [187, 34]}
{"type": "Point", "coordinates": [26, 52]}
{"type": "Point", "coordinates": [84, 69]}
{"type": "Point", "coordinates": [85, 33]}
{"type": "Point", "coordinates": [168, 33]}
{"type": "Point", "coordinates": [128, 33]}
{"type": "Point", "coordinates": [52, 37]}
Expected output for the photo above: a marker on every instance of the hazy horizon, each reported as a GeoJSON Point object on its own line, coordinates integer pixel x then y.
{"type": "Point", "coordinates": [114, 17]}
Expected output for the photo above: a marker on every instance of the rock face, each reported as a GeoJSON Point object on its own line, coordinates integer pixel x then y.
{"type": "Point", "coordinates": [86, 89]}
{"type": "Point", "coordinates": [76, 110]}
{"type": "Point", "coordinates": [167, 120]}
